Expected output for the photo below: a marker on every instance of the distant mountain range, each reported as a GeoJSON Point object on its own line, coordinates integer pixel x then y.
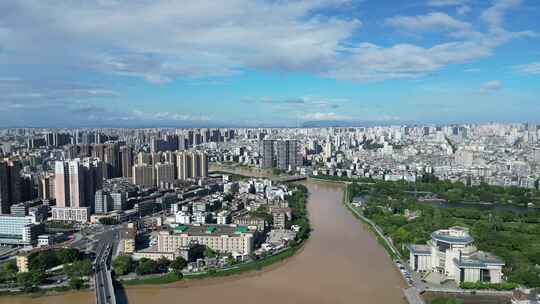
{"type": "Point", "coordinates": [354, 123]}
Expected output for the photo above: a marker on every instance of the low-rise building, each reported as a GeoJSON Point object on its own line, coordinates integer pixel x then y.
{"type": "Point", "coordinates": [220, 238]}
{"type": "Point", "coordinates": [18, 230]}
{"type": "Point", "coordinates": [129, 241]}
{"type": "Point", "coordinates": [22, 262]}
{"type": "Point", "coordinates": [73, 214]}
{"type": "Point", "coordinates": [45, 240]}
{"type": "Point", "coordinates": [281, 217]}
{"type": "Point", "coordinates": [251, 221]}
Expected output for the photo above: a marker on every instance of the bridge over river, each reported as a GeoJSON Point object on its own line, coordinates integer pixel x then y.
{"type": "Point", "coordinates": [103, 280]}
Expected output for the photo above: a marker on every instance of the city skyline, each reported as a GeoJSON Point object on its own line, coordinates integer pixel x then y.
{"type": "Point", "coordinates": [267, 63]}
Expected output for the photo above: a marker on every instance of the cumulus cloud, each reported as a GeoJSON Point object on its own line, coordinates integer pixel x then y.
{"type": "Point", "coordinates": [532, 68]}
{"type": "Point", "coordinates": [493, 16]}
{"type": "Point", "coordinates": [492, 85]}
{"type": "Point", "coordinates": [40, 95]}
{"type": "Point", "coordinates": [167, 116]}
{"type": "Point", "coordinates": [369, 62]}
{"type": "Point", "coordinates": [434, 21]}
{"type": "Point", "coordinates": [304, 102]}
{"type": "Point", "coordinates": [462, 7]}
{"type": "Point", "coordinates": [162, 40]}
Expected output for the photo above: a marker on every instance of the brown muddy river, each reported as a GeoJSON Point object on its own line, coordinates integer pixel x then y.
{"type": "Point", "coordinates": [341, 263]}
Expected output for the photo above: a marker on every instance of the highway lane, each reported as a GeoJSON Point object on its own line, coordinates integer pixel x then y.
{"type": "Point", "coordinates": [103, 280]}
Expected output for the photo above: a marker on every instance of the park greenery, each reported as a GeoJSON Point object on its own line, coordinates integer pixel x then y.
{"type": "Point", "coordinates": [177, 265]}
{"type": "Point", "coordinates": [75, 267]}
{"type": "Point", "coordinates": [485, 286]}
{"type": "Point", "coordinates": [514, 237]}
{"type": "Point", "coordinates": [298, 204]}
{"type": "Point", "coordinates": [46, 259]}
{"type": "Point", "coordinates": [76, 271]}
{"type": "Point", "coordinates": [64, 225]}
{"type": "Point", "coordinates": [453, 192]}
{"type": "Point", "coordinates": [124, 264]}
{"type": "Point", "coordinates": [447, 301]}
{"type": "Point", "coordinates": [8, 272]}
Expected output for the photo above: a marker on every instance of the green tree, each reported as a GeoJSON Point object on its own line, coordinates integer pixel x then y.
{"type": "Point", "coordinates": [25, 280]}
{"type": "Point", "coordinates": [209, 253]}
{"type": "Point", "coordinates": [9, 270]}
{"type": "Point", "coordinates": [76, 283]}
{"type": "Point", "coordinates": [146, 266]}
{"type": "Point", "coordinates": [163, 264]}
{"type": "Point", "coordinates": [67, 255]}
{"type": "Point", "coordinates": [447, 301]}
{"type": "Point", "coordinates": [108, 221]}
{"type": "Point", "coordinates": [122, 265]}
{"type": "Point", "coordinates": [178, 264]}
{"type": "Point", "coordinates": [78, 268]}
{"type": "Point", "coordinates": [38, 277]}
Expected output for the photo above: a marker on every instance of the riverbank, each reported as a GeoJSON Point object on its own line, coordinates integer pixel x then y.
{"type": "Point", "coordinates": [377, 232]}
{"type": "Point", "coordinates": [299, 217]}
{"type": "Point", "coordinates": [233, 271]}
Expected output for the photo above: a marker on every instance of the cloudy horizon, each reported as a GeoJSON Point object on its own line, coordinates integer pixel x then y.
{"type": "Point", "coordinates": [267, 63]}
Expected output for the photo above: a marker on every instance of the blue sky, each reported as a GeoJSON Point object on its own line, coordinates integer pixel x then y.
{"type": "Point", "coordinates": [267, 63]}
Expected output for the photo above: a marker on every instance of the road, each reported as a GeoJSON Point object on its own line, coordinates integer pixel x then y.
{"type": "Point", "coordinates": [103, 280]}
{"type": "Point", "coordinates": [107, 247]}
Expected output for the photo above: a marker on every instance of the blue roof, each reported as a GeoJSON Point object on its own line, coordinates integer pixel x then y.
{"type": "Point", "coordinates": [419, 249]}
{"type": "Point", "coordinates": [452, 239]}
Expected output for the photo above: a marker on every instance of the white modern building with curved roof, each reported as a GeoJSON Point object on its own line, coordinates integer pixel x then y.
{"type": "Point", "coordinates": [451, 252]}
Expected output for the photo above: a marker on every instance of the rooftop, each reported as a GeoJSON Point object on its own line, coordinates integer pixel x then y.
{"type": "Point", "coordinates": [215, 230]}
{"type": "Point", "coordinates": [455, 235]}
{"type": "Point", "coordinates": [420, 249]}
{"type": "Point", "coordinates": [480, 259]}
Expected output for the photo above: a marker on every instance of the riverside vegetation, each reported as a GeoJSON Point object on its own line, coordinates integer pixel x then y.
{"type": "Point", "coordinates": [512, 236]}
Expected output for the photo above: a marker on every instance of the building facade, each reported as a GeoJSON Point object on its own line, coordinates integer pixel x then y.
{"type": "Point", "coordinates": [224, 239]}
{"type": "Point", "coordinates": [81, 214]}
{"type": "Point", "coordinates": [18, 230]}
{"type": "Point", "coordinates": [451, 252]}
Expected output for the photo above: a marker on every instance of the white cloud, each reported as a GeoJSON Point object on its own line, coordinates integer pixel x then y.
{"type": "Point", "coordinates": [493, 15]}
{"type": "Point", "coordinates": [492, 85]}
{"type": "Point", "coordinates": [163, 40]}
{"type": "Point", "coordinates": [165, 116]}
{"type": "Point", "coordinates": [434, 21]}
{"type": "Point", "coordinates": [325, 116]}
{"type": "Point", "coordinates": [447, 2]}
{"type": "Point", "coordinates": [530, 68]}
{"type": "Point", "coordinates": [370, 62]}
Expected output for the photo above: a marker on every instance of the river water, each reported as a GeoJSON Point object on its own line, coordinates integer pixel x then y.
{"type": "Point", "coordinates": [341, 263]}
